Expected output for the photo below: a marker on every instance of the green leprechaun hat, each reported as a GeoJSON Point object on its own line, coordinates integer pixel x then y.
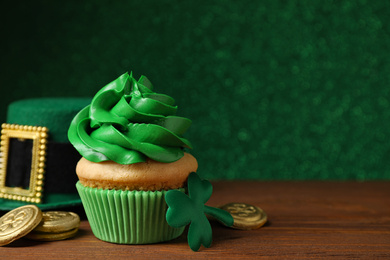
{"type": "Point", "coordinates": [37, 162]}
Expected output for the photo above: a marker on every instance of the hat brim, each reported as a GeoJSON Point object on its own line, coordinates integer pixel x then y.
{"type": "Point", "coordinates": [51, 201]}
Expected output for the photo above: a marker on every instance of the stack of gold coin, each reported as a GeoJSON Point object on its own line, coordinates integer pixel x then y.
{"type": "Point", "coordinates": [55, 225]}
{"type": "Point", "coordinates": [246, 216]}
{"type": "Point", "coordinates": [30, 222]}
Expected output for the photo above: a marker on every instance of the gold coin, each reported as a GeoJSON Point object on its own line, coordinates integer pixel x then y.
{"type": "Point", "coordinates": [58, 221]}
{"type": "Point", "coordinates": [43, 236]}
{"type": "Point", "coordinates": [18, 223]}
{"type": "Point", "coordinates": [246, 216]}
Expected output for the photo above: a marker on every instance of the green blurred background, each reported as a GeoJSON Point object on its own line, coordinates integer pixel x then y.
{"type": "Point", "coordinates": [295, 89]}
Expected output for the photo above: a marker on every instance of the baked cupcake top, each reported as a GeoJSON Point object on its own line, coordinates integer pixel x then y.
{"type": "Point", "coordinates": [148, 176]}
{"type": "Point", "coordinates": [128, 123]}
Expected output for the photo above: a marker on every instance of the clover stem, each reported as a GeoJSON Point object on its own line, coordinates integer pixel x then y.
{"type": "Point", "coordinates": [219, 214]}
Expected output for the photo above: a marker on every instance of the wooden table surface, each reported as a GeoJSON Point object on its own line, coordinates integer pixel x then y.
{"type": "Point", "coordinates": [338, 220]}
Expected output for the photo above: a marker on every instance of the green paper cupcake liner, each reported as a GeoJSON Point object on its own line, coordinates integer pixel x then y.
{"type": "Point", "coordinates": [127, 217]}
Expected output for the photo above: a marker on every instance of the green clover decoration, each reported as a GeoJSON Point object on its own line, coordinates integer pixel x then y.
{"type": "Point", "coordinates": [191, 209]}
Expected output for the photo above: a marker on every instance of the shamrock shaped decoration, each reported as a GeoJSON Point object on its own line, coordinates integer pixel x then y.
{"type": "Point", "coordinates": [191, 209]}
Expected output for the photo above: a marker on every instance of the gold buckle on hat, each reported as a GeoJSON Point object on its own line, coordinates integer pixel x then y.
{"type": "Point", "coordinates": [39, 137]}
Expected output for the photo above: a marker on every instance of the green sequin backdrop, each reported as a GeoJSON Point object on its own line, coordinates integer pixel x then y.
{"type": "Point", "coordinates": [295, 89]}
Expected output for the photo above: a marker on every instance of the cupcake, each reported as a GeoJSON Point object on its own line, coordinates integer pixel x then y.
{"type": "Point", "coordinates": [133, 152]}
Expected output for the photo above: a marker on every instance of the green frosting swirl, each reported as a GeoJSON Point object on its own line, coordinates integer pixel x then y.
{"type": "Point", "coordinates": [127, 122]}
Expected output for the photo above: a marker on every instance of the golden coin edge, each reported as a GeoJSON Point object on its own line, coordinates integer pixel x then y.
{"type": "Point", "coordinates": [58, 226]}
{"type": "Point", "coordinates": [42, 236]}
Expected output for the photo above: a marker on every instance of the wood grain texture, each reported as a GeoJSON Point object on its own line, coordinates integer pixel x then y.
{"type": "Point", "coordinates": [338, 220]}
